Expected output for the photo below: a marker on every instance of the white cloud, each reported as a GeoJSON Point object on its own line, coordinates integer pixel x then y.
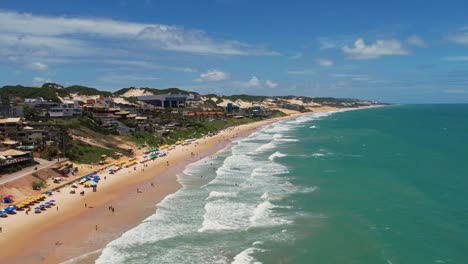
{"type": "Point", "coordinates": [76, 36]}
{"type": "Point", "coordinates": [456, 58]}
{"type": "Point", "coordinates": [380, 48]}
{"type": "Point", "coordinates": [324, 62]}
{"type": "Point", "coordinates": [460, 38]}
{"type": "Point", "coordinates": [353, 77]}
{"type": "Point", "coordinates": [122, 78]}
{"type": "Point", "coordinates": [38, 66]}
{"type": "Point", "coordinates": [296, 56]}
{"type": "Point", "coordinates": [271, 84]}
{"type": "Point", "coordinates": [254, 82]}
{"type": "Point", "coordinates": [302, 72]}
{"type": "Point", "coordinates": [213, 76]}
{"type": "Point", "coordinates": [416, 41]}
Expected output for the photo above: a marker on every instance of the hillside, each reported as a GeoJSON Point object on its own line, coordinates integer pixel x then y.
{"type": "Point", "coordinates": [133, 91]}
{"type": "Point", "coordinates": [57, 93]}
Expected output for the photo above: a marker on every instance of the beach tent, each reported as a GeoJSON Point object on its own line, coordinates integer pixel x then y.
{"type": "Point", "coordinates": [10, 209]}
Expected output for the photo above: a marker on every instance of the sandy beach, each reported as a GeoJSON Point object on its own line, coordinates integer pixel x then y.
{"type": "Point", "coordinates": [78, 227]}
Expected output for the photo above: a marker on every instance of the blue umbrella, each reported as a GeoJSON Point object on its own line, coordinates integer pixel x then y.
{"type": "Point", "coordinates": [11, 208]}
{"type": "Point", "coordinates": [52, 201]}
{"type": "Point", "coordinates": [37, 208]}
{"type": "Point", "coordinates": [96, 178]}
{"type": "Point", "coordinates": [42, 206]}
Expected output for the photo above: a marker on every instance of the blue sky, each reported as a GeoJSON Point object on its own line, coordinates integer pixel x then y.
{"type": "Point", "coordinates": [393, 51]}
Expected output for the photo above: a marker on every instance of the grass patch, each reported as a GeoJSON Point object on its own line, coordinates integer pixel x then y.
{"type": "Point", "coordinates": [88, 154]}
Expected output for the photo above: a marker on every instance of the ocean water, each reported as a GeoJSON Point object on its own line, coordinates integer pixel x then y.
{"type": "Point", "coordinates": [382, 185]}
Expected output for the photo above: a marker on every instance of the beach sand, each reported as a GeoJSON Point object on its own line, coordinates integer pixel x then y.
{"type": "Point", "coordinates": [78, 227]}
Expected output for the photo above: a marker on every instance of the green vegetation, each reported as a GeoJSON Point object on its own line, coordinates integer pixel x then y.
{"type": "Point", "coordinates": [86, 153]}
{"type": "Point", "coordinates": [40, 184]}
{"type": "Point", "coordinates": [28, 92]}
{"type": "Point", "coordinates": [143, 137]}
{"type": "Point", "coordinates": [82, 90]}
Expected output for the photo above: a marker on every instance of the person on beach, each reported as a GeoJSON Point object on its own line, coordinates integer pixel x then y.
{"type": "Point", "coordinates": [96, 228]}
{"type": "Point", "coordinates": [1, 229]}
{"type": "Point", "coordinates": [86, 205]}
{"type": "Point", "coordinates": [152, 185]}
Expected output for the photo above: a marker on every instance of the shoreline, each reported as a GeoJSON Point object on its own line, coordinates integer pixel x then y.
{"type": "Point", "coordinates": [73, 233]}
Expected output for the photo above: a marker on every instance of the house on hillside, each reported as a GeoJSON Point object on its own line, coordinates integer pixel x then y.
{"type": "Point", "coordinates": [11, 111]}
{"type": "Point", "coordinates": [9, 127]}
{"type": "Point", "coordinates": [66, 109]}
{"type": "Point", "coordinates": [30, 135]}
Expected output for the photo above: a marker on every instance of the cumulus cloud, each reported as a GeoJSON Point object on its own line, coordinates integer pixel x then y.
{"type": "Point", "coordinates": [380, 48]}
{"type": "Point", "coordinates": [254, 82]}
{"type": "Point", "coordinates": [271, 84]}
{"type": "Point", "coordinates": [213, 76]}
{"type": "Point", "coordinates": [324, 62]}
{"type": "Point", "coordinates": [39, 66]}
{"type": "Point", "coordinates": [460, 38]}
{"type": "Point", "coordinates": [416, 41]}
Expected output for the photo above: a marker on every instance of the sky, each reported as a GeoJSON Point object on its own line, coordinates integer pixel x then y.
{"type": "Point", "coordinates": [390, 51]}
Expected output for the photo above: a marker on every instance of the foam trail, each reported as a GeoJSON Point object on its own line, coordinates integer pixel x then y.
{"type": "Point", "coordinates": [277, 154]}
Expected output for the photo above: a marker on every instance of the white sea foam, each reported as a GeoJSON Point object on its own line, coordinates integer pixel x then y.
{"type": "Point", "coordinates": [223, 215]}
{"type": "Point", "coordinates": [277, 154]}
{"type": "Point", "coordinates": [263, 216]}
{"type": "Point", "coordinates": [245, 257]}
{"type": "Point", "coordinates": [216, 194]}
{"type": "Point", "coordinates": [265, 147]}
{"type": "Point", "coordinates": [318, 155]}
{"type": "Point", "coordinates": [313, 127]}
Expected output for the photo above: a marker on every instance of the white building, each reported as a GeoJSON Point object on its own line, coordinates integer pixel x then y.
{"type": "Point", "coordinates": [68, 108]}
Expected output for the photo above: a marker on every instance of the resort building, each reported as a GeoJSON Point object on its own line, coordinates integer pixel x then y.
{"type": "Point", "coordinates": [165, 100]}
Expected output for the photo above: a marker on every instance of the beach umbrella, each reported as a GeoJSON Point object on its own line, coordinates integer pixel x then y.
{"type": "Point", "coordinates": [96, 178]}
{"type": "Point", "coordinates": [42, 206]}
{"type": "Point", "coordinates": [51, 201]}
{"type": "Point", "coordinates": [93, 183]}
{"type": "Point", "coordinates": [11, 208]}
{"type": "Point", "coordinates": [3, 213]}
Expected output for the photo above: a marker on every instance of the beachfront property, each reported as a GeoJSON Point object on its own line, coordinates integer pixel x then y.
{"type": "Point", "coordinates": [165, 100]}
{"type": "Point", "coordinates": [66, 109]}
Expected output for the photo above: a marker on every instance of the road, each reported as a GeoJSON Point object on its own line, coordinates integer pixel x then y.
{"type": "Point", "coordinates": [42, 165]}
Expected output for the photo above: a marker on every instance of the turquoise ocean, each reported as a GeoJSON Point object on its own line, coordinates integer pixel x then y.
{"type": "Point", "coordinates": [381, 185]}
